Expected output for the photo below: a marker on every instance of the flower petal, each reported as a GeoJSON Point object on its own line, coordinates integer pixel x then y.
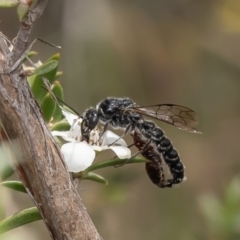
{"type": "Point", "coordinates": [64, 135]}
{"type": "Point", "coordinates": [99, 148]}
{"type": "Point", "coordinates": [71, 118]}
{"type": "Point", "coordinates": [121, 152]}
{"type": "Point", "coordinates": [109, 137]}
{"type": "Point", "coordinates": [60, 133]}
{"type": "Point", "coordinates": [78, 156]}
{"type": "Point", "coordinates": [75, 130]}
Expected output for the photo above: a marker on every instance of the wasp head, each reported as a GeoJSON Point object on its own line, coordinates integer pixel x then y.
{"type": "Point", "coordinates": [90, 121]}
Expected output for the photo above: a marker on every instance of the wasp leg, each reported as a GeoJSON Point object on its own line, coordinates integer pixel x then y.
{"type": "Point", "coordinates": [135, 154]}
{"type": "Point", "coordinates": [128, 129]}
{"type": "Point", "coordinates": [105, 128]}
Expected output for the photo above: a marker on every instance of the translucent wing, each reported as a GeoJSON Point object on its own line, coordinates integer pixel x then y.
{"type": "Point", "coordinates": [179, 116]}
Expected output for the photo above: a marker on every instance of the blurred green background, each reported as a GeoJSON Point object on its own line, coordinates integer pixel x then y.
{"type": "Point", "coordinates": [156, 51]}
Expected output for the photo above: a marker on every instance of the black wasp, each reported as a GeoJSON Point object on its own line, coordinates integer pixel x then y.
{"type": "Point", "coordinates": [148, 137]}
{"type": "Point", "coordinates": [124, 113]}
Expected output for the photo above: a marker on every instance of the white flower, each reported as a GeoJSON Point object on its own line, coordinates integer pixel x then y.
{"type": "Point", "coordinates": [78, 154]}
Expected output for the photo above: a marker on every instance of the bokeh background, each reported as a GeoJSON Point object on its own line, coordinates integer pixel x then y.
{"type": "Point", "coordinates": [177, 51]}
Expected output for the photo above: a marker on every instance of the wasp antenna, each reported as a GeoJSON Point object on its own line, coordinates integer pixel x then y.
{"type": "Point", "coordinates": [58, 100]}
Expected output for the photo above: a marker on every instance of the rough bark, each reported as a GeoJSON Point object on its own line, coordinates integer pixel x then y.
{"type": "Point", "coordinates": [39, 163]}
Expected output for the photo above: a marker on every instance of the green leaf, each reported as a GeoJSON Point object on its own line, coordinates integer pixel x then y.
{"type": "Point", "coordinates": [114, 162]}
{"type": "Point", "coordinates": [30, 54]}
{"type": "Point", "coordinates": [5, 158]}
{"type": "Point", "coordinates": [61, 126]}
{"type": "Point", "coordinates": [58, 92]}
{"type": "Point", "coordinates": [231, 205]}
{"type": "Point", "coordinates": [212, 210]}
{"type": "Point", "coordinates": [51, 76]}
{"type": "Point", "coordinates": [48, 107]}
{"type": "Point", "coordinates": [15, 185]}
{"type": "Point", "coordinates": [232, 195]}
{"type": "Point", "coordinates": [8, 3]}
{"type": "Point", "coordinates": [6, 172]}
{"type": "Point", "coordinates": [57, 89]}
{"type": "Point", "coordinates": [19, 219]}
{"type": "Point", "coordinates": [58, 75]}
{"type": "Point", "coordinates": [94, 177]}
{"type": "Point", "coordinates": [53, 57]}
{"type": "Point", "coordinates": [31, 80]}
{"type": "Point", "coordinates": [22, 10]}
{"type": "Point", "coordinates": [46, 67]}
{"type": "Point", "coordinates": [36, 84]}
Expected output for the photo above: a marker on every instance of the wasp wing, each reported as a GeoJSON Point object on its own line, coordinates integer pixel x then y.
{"type": "Point", "coordinates": [179, 116]}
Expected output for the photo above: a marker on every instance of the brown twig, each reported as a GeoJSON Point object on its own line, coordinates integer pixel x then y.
{"type": "Point", "coordinates": [39, 164]}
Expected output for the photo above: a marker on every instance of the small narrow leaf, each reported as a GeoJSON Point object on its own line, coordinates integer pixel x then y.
{"type": "Point", "coordinates": [61, 126]}
{"type": "Point", "coordinates": [53, 57]}
{"type": "Point", "coordinates": [36, 84]}
{"type": "Point", "coordinates": [212, 210]}
{"type": "Point", "coordinates": [94, 177]}
{"type": "Point", "coordinates": [22, 10]}
{"type": "Point", "coordinates": [30, 54]}
{"type": "Point", "coordinates": [58, 75]}
{"type": "Point", "coordinates": [57, 89]}
{"type": "Point", "coordinates": [20, 218]}
{"type": "Point", "coordinates": [58, 92]}
{"type": "Point", "coordinates": [6, 172]}
{"type": "Point", "coordinates": [5, 156]}
{"type": "Point", "coordinates": [46, 67]}
{"type": "Point", "coordinates": [232, 194]}
{"type": "Point", "coordinates": [48, 107]}
{"type": "Point", "coordinates": [114, 162]}
{"type": "Point", "coordinates": [51, 75]}
{"type": "Point", "coordinates": [15, 185]}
